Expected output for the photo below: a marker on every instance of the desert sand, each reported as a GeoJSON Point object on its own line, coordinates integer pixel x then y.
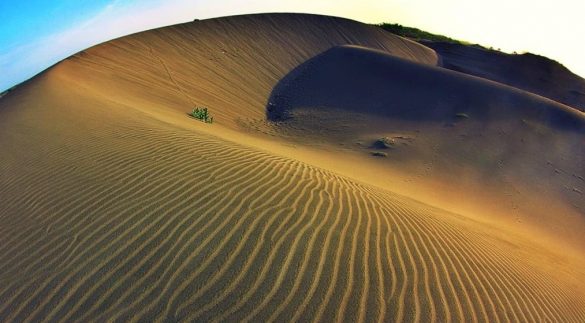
{"type": "Point", "coordinates": [526, 71]}
{"type": "Point", "coordinates": [116, 205]}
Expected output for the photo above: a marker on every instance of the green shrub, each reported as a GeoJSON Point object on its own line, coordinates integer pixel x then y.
{"type": "Point", "coordinates": [417, 34]}
{"type": "Point", "coordinates": [201, 114]}
{"type": "Point", "coordinates": [420, 35]}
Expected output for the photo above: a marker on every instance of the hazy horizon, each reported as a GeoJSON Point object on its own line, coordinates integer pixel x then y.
{"type": "Point", "coordinates": [36, 35]}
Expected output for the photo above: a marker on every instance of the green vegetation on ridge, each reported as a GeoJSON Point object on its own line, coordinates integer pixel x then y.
{"type": "Point", "coordinates": [418, 35]}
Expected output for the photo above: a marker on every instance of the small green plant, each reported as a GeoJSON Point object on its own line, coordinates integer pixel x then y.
{"type": "Point", "coordinates": [201, 114]}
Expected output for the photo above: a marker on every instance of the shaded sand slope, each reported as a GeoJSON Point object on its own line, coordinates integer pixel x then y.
{"type": "Point", "coordinates": [401, 89]}
{"type": "Point", "coordinates": [116, 206]}
{"type": "Point", "coordinates": [110, 213]}
{"type": "Point", "coordinates": [529, 72]}
{"type": "Point", "coordinates": [504, 138]}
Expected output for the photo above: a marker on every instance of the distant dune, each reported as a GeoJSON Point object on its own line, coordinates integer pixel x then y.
{"type": "Point", "coordinates": [529, 72]}
{"type": "Point", "coordinates": [401, 89]}
{"type": "Point", "coordinates": [116, 205]}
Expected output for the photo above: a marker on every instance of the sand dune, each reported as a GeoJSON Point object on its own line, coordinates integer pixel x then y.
{"type": "Point", "coordinates": [525, 71]}
{"type": "Point", "coordinates": [117, 206]}
{"type": "Point", "coordinates": [403, 89]}
{"type": "Point", "coordinates": [468, 125]}
{"type": "Point", "coordinates": [230, 62]}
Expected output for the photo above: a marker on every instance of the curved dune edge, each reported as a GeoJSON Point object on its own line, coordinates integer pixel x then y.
{"type": "Point", "coordinates": [365, 80]}
{"type": "Point", "coordinates": [230, 62]}
{"type": "Point", "coordinates": [114, 212]}
{"type": "Point", "coordinates": [527, 71]}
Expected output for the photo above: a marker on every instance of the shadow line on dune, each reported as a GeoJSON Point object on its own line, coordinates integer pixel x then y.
{"type": "Point", "coordinates": [362, 80]}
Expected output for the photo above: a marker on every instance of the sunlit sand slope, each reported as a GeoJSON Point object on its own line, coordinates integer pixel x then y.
{"type": "Point", "coordinates": [116, 215]}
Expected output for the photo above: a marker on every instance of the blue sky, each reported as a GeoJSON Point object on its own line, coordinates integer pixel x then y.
{"type": "Point", "coordinates": [24, 24]}
{"type": "Point", "coordinates": [34, 34]}
{"type": "Point", "coordinates": [25, 20]}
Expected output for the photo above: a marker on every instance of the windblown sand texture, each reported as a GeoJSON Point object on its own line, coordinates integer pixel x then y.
{"type": "Point", "coordinates": [116, 206]}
